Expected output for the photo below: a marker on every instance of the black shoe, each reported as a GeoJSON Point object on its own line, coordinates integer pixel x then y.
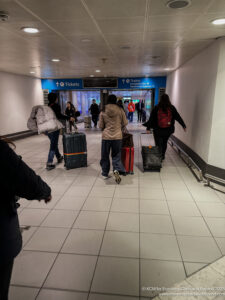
{"type": "Point", "coordinates": [50, 167]}
{"type": "Point", "coordinates": [60, 159]}
{"type": "Point", "coordinates": [123, 173]}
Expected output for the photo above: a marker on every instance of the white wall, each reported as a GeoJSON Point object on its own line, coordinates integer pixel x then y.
{"type": "Point", "coordinates": [18, 94]}
{"type": "Point", "coordinates": [192, 91]}
{"type": "Point", "coordinates": [217, 141]}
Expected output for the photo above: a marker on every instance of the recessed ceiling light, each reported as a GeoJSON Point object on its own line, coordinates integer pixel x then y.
{"type": "Point", "coordinates": [97, 71]}
{"type": "Point", "coordinates": [220, 21]}
{"type": "Point", "coordinates": [92, 75]}
{"type": "Point", "coordinates": [85, 41]}
{"type": "Point", "coordinates": [32, 72]}
{"type": "Point", "coordinates": [30, 29]}
{"type": "Point", "coordinates": [178, 4]}
{"type": "Point", "coordinates": [55, 59]}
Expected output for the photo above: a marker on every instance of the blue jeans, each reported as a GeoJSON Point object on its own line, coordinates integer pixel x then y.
{"type": "Point", "coordinates": [130, 116]}
{"type": "Point", "coordinates": [54, 150]}
{"type": "Point", "coordinates": [115, 146]}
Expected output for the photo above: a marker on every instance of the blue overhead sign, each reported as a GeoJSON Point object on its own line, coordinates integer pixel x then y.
{"type": "Point", "coordinates": [62, 84]}
{"type": "Point", "coordinates": [141, 82]}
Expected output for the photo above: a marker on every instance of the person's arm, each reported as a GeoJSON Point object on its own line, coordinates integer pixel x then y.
{"type": "Point", "coordinates": [58, 113]}
{"type": "Point", "coordinates": [150, 123]}
{"type": "Point", "coordinates": [178, 118]}
{"type": "Point", "coordinates": [25, 183]}
{"type": "Point", "coordinates": [101, 123]}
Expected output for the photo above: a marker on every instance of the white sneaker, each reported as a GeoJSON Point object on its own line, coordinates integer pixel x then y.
{"type": "Point", "coordinates": [117, 176]}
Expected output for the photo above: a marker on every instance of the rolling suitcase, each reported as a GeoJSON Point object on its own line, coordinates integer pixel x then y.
{"type": "Point", "coordinates": [152, 158]}
{"type": "Point", "coordinates": [127, 157]}
{"type": "Point", "coordinates": [75, 150]}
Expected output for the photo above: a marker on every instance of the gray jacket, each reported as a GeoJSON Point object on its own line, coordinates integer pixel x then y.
{"type": "Point", "coordinates": [43, 119]}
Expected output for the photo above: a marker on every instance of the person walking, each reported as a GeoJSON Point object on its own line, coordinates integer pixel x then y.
{"type": "Point", "coordinates": [94, 109]}
{"type": "Point", "coordinates": [71, 112]}
{"type": "Point", "coordinates": [54, 136]}
{"type": "Point", "coordinates": [162, 120]}
{"type": "Point", "coordinates": [131, 109]}
{"type": "Point", "coordinates": [112, 121]}
{"type": "Point", "coordinates": [16, 180]}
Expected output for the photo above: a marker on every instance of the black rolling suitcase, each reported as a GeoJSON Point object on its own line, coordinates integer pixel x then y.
{"type": "Point", "coordinates": [75, 150]}
{"type": "Point", "coordinates": [152, 158]}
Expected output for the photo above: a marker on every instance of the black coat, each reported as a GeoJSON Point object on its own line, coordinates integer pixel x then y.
{"type": "Point", "coordinates": [16, 180]}
{"type": "Point", "coordinates": [57, 110]}
{"type": "Point", "coordinates": [94, 108]}
{"type": "Point", "coordinates": [153, 120]}
{"type": "Point", "coordinates": [70, 112]}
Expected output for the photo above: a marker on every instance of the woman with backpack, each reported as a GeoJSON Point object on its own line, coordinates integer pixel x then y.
{"type": "Point", "coordinates": [162, 119]}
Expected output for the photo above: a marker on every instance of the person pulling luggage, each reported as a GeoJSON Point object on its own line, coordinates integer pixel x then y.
{"type": "Point", "coordinates": [71, 112]}
{"type": "Point", "coordinates": [162, 120]}
{"type": "Point", "coordinates": [54, 136]}
{"type": "Point", "coordinates": [111, 121]}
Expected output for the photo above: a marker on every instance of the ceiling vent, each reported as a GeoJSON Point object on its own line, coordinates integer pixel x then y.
{"type": "Point", "coordinates": [4, 16]}
{"type": "Point", "coordinates": [178, 4]}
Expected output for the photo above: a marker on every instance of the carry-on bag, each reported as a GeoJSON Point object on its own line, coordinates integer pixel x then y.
{"type": "Point", "coordinates": [127, 158]}
{"type": "Point", "coordinates": [151, 156]}
{"type": "Point", "coordinates": [87, 122]}
{"type": "Point", "coordinates": [75, 150]}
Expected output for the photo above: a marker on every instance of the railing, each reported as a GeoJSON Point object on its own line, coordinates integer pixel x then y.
{"type": "Point", "coordinates": [189, 161]}
{"type": "Point", "coordinates": [207, 178]}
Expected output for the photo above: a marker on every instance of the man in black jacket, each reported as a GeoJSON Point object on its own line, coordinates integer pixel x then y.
{"type": "Point", "coordinates": [94, 112]}
{"type": "Point", "coordinates": [161, 113]}
{"type": "Point", "coordinates": [16, 180]}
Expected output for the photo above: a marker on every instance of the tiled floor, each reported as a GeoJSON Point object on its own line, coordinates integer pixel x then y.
{"type": "Point", "coordinates": [100, 240]}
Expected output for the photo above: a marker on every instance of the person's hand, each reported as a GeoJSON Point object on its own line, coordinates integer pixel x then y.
{"type": "Point", "coordinates": [72, 119]}
{"type": "Point", "coordinates": [148, 131]}
{"type": "Point", "coordinates": [48, 199]}
{"type": "Point", "coordinates": [185, 129]}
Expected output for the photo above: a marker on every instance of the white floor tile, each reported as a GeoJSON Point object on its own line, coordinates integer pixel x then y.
{"type": "Point", "coordinates": [107, 191]}
{"type": "Point", "coordinates": [91, 220]}
{"type": "Point", "coordinates": [165, 274]}
{"type": "Point", "coordinates": [47, 239]}
{"type": "Point", "coordinates": [83, 242]}
{"type": "Point", "coordinates": [93, 296]}
{"type": "Point", "coordinates": [79, 191]}
{"type": "Point", "coordinates": [156, 224]}
{"type": "Point", "coordinates": [31, 268]}
{"type": "Point", "coordinates": [123, 244]}
{"type": "Point", "coordinates": [22, 293]}
{"type": "Point", "coordinates": [178, 195]}
{"type": "Point", "coordinates": [152, 194]}
{"type": "Point", "coordinates": [125, 205]}
{"type": "Point", "coordinates": [60, 218]}
{"type": "Point", "coordinates": [46, 294]}
{"type": "Point", "coordinates": [72, 272]}
{"type": "Point", "coordinates": [70, 203]}
{"type": "Point", "coordinates": [97, 204]}
{"type": "Point", "coordinates": [154, 207]}
{"type": "Point", "coordinates": [198, 249]}
{"type": "Point", "coordinates": [212, 209]}
{"type": "Point", "coordinates": [127, 193]}
{"type": "Point", "coordinates": [123, 222]}
{"type": "Point", "coordinates": [117, 276]}
{"type": "Point", "coordinates": [186, 209]}
{"type": "Point", "coordinates": [33, 217]}
{"type": "Point", "coordinates": [159, 246]}
{"type": "Point", "coordinates": [193, 267]}
{"type": "Point", "coordinates": [194, 226]}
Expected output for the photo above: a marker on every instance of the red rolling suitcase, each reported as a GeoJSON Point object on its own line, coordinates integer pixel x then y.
{"type": "Point", "coordinates": [127, 157]}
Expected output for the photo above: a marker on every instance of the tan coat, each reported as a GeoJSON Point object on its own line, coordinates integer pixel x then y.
{"type": "Point", "coordinates": [111, 121]}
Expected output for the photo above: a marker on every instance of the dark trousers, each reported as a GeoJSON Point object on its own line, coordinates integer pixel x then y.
{"type": "Point", "coordinates": [130, 116]}
{"type": "Point", "coordinates": [54, 150]}
{"type": "Point", "coordinates": [5, 277]}
{"type": "Point", "coordinates": [161, 137]}
{"type": "Point", "coordinates": [115, 146]}
{"type": "Point", "coordinates": [139, 115]}
{"type": "Point", "coordinates": [95, 119]}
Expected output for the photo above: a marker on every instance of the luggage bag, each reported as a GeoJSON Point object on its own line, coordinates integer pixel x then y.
{"type": "Point", "coordinates": [127, 157]}
{"type": "Point", "coordinates": [152, 158]}
{"type": "Point", "coordinates": [75, 150]}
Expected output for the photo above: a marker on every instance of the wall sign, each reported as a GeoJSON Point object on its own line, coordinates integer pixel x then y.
{"type": "Point", "coordinates": [62, 84]}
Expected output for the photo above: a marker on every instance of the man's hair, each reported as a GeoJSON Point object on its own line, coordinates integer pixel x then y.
{"type": "Point", "coordinates": [111, 99]}
{"type": "Point", "coordinates": [52, 97]}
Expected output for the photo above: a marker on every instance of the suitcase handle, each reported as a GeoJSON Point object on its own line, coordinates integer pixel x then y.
{"type": "Point", "coordinates": [151, 133]}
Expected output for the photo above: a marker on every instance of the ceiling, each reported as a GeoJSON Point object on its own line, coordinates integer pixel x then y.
{"type": "Point", "coordinates": [156, 39]}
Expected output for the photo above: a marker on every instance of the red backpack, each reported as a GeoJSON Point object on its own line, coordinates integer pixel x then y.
{"type": "Point", "coordinates": [164, 118]}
